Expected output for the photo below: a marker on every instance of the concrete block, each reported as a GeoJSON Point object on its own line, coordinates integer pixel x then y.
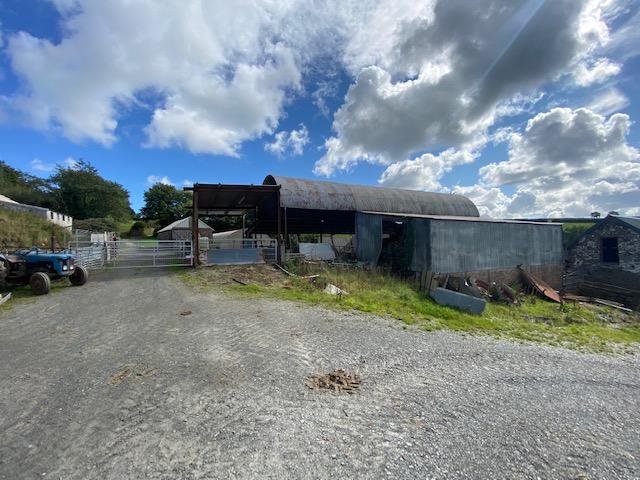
{"type": "Point", "coordinates": [449, 298]}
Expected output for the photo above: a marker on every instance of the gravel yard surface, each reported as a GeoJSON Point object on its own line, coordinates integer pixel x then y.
{"type": "Point", "coordinates": [110, 381]}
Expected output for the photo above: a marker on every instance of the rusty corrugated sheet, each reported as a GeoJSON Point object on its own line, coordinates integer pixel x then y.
{"type": "Point", "coordinates": [321, 195]}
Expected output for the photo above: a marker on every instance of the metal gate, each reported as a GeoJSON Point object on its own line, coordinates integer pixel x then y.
{"type": "Point", "coordinates": [242, 251]}
{"type": "Point", "coordinates": [133, 254]}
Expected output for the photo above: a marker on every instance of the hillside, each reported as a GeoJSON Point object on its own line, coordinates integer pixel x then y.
{"type": "Point", "coordinates": [23, 230]}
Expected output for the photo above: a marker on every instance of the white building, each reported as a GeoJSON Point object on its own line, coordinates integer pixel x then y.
{"type": "Point", "coordinates": [60, 219]}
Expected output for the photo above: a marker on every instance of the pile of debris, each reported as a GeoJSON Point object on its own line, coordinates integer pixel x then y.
{"type": "Point", "coordinates": [471, 294]}
{"type": "Point", "coordinates": [338, 381]}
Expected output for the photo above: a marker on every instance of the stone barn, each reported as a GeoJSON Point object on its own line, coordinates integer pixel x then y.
{"type": "Point", "coordinates": [605, 261]}
{"type": "Point", "coordinates": [181, 230]}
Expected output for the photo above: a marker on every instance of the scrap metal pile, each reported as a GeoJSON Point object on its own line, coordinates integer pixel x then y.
{"type": "Point", "coordinates": [472, 294]}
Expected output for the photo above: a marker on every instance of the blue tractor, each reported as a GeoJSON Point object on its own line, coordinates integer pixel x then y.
{"type": "Point", "coordinates": [38, 268]}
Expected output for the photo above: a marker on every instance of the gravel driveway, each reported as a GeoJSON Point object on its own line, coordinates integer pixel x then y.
{"type": "Point", "coordinates": [110, 381]}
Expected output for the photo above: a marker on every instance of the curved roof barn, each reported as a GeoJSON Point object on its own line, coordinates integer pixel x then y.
{"type": "Point", "coordinates": [321, 195]}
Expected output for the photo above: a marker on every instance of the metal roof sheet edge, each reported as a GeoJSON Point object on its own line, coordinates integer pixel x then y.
{"type": "Point", "coordinates": [462, 219]}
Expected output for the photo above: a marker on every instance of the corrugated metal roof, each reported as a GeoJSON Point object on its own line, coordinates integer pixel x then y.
{"type": "Point", "coordinates": [184, 223]}
{"type": "Point", "coordinates": [464, 219]}
{"type": "Point", "coordinates": [321, 195]}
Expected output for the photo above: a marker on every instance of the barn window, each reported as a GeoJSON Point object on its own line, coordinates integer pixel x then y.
{"type": "Point", "coordinates": [610, 250]}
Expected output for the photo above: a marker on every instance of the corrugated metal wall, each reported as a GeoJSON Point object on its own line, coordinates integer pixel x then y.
{"type": "Point", "coordinates": [421, 246]}
{"type": "Point", "coordinates": [368, 237]}
{"type": "Point", "coordinates": [463, 246]}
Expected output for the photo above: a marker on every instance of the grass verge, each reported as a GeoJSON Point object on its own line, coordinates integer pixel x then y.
{"type": "Point", "coordinates": [26, 230]}
{"type": "Point", "coordinates": [576, 326]}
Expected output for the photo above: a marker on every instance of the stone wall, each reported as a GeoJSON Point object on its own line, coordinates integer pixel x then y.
{"type": "Point", "coordinates": [587, 251]}
{"type": "Point", "coordinates": [587, 274]}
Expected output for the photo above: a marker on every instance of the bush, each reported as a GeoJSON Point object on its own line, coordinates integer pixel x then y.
{"type": "Point", "coordinates": [137, 229]}
{"type": "Point", "coordinates": [106, 224]}
{"type": "Point", "coordinates": [572, 231]}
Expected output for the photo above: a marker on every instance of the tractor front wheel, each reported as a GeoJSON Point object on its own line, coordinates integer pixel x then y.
{"type": "Point", "coordinates": [40, 283]}
{"type": "Point", "coordinates": [79, 276]}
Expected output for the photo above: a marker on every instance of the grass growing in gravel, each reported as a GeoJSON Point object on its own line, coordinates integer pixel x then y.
{"type": "Point", "coordinates": [584, 327]}
{"type": "Point", "coordinates": [23, 294]}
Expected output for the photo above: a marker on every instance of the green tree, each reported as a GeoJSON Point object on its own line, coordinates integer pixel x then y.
{"type": "Point", "coordinates": [25, 188]}
{"type": "Point", "coordinates": [82, 193]}
{"type": "Point", "coordinates": [166, 204]}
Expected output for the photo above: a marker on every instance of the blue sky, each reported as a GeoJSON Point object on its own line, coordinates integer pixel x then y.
{"type": "Point", "coordinates": [529, 108]}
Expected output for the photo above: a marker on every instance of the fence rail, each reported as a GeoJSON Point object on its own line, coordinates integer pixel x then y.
{"type": "Point", "coordinates": [133, 253]}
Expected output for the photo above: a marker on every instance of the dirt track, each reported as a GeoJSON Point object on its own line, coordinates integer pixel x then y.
{"type": "Point", "coordinates": [110, 381]}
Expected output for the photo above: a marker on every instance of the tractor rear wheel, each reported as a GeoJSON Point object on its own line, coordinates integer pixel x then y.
{"type": "Point", "coordinates": [79, 276]}
{"type": "Point", "coordinates": [40, 283]}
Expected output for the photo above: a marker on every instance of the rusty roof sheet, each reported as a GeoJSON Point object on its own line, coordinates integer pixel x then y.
{"type": "Point", "coordinates": [321, 195]}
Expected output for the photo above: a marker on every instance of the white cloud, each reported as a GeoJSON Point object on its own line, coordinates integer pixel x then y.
{"type": "Point", "coordinates": [298, 139]}
{"type": "Point", "coordinates": [597, 71]}
{"type": "Point", "coordinates": [279, 144]}
{"type": "Point", "coordinates": [566, 162]}
{"type": "Point", "coordinates": [292, 142]}
{"type": "Point", "coordinates": [609, 101]}
{"type": "Point", "coordinates": [491, 202]}
{"type": "Point", "coordinates": [426, 171]}
{"type": "Point", "coordinates": [325, 89]}
{"type": "Point", "coordinates": [427, 76]}
{"type": "Point", "coordinates": [164, 180]}
{"type": "Point", "coordinates": [564, 142]}
{"type": "Point", "coordinates": [433, 75]}
{"type": "Point", "coordinates": [218, 69]}
{"type": "Point", "coordinates": [69, 162]}
{"type": "Point", "coordinates": [38, 165]}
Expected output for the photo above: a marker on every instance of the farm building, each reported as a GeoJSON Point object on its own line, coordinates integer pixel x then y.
{"type": "Point", "coordinates": [181, 230]}
{"type": "Point", "coordinates": [605, 261]}
{"type": "Point", "coordinates": [483, 248]}
{"type": "Point", "coordinates": [404, 229]}
{"type": "Point", "coordinates": [64, 221]}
